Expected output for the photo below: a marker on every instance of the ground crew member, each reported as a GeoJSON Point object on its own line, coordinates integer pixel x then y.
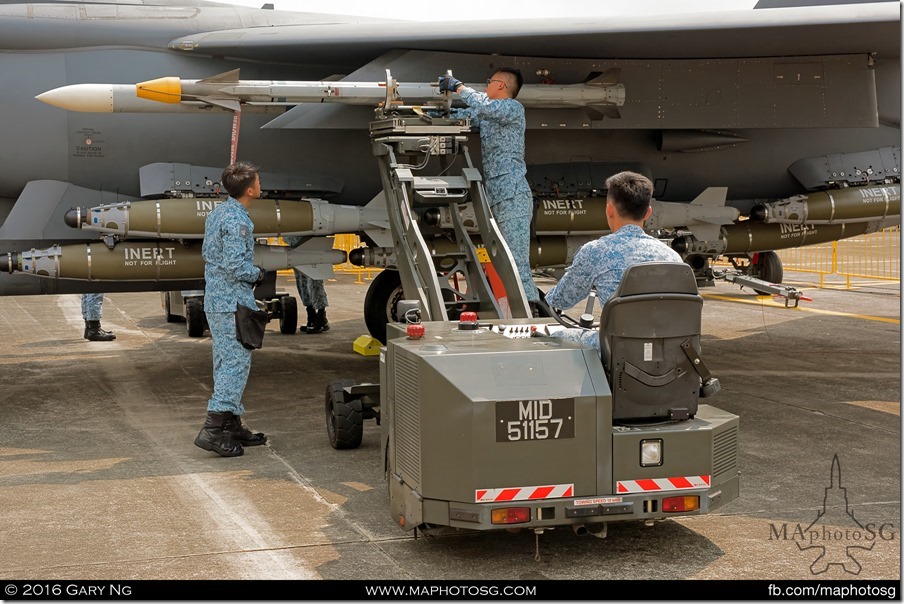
{"type": "Point", "coordinates": [500, 120]}
{"type": "Point", "coordinates": [312, 293]}
{"type": "Point", "coordinates": [601, 263]}
{"type": "Point", "coordinates": [230, 277]}
{"type": "Point", "coordinates": [92, 308]}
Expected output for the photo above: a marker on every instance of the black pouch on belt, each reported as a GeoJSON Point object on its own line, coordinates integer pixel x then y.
{"type": "Point", "coordinates": [250, 325]}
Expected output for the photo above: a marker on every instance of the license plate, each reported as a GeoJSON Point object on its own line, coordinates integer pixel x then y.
{"type": "Point", "coordinates": [543, 419]}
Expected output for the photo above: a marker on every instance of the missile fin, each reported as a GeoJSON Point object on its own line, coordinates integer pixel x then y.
{"type": "Point", "coordinates": [227, 77]}
{"type": "Point", "coordinates": [378, 230]}
{"type": "Point", "coordinates": [317, 271]}
{"type": "Point", "coordinates": [598, 112]}
{"type": "Point", "coordinates": [706, 232]}
{"type": "Point", "coordinates": [224, 103]}
{"type": "Point", "coordinates": [712, 196]}
{"type": "Point", "coordinates": [610, 77]}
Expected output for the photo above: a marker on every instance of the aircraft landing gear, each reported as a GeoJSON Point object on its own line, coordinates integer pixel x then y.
{"type": "Point", "coordinates": [380, 302]}
{"type": "Point", "coordinates": [763, 265]}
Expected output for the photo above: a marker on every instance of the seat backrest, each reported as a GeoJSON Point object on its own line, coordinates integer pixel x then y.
{"type": "Point", "coordinates": [644, 325]}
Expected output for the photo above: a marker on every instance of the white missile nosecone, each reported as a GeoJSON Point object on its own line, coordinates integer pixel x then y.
{"type": "Point", "coordinates": [226, 92]}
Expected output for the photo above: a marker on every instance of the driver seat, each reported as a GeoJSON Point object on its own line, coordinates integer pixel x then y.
{"type": "Point", "coordinates": [650, 344]}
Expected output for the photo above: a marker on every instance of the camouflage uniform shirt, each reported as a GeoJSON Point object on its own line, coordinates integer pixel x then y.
{"type": "Point", "coordinates": [602, 263]}
{"type": "Point", "coordinates": [228, 251]}
{"type": "Point", "coordinates": [501, 124]}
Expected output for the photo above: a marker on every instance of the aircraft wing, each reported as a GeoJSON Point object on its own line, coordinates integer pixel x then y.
{"type": "Point", "coordinates": [767, 29]}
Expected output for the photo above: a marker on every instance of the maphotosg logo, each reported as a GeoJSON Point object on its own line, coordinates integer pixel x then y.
{"type": "Point", "coordinates": [835, 537]}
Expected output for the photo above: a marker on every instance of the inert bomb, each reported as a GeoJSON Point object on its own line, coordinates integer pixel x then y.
{"type": "Point", "coordinates": [156, 261]}
{"type": "Point", "coordinates": [850, 204]}
{"type": "Point", "coordinates": [587, 216]}
{"type": "Point", "coordinates": [545, 252]}
{"type": "Point", "coordinates": [750, 236]}
{"type": "Point", "coordinates": [185, 218]}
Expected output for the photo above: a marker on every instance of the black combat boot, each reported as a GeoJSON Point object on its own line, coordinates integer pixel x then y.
{"type": "Point", "coordinates": [239, 432]}
{"type": "Point", "coordinates": [315, 325]}
{"type": "Point", "coordinates": [322, 321]}
{"type": "Point", "coordinates": [214, 437]}
{"type": "Point", "coordinates": [312, 319]}
{"type": "Point", "coordinates": [94, 332]}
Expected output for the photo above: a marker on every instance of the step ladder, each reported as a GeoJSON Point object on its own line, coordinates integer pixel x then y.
{"type": "Point", "coordinates": [424, 163]}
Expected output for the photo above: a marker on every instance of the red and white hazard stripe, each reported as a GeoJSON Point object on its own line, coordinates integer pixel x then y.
{"type": "Point", "coordinates": [652, 485]}
{"type": "Point", "coordinates": [550, 491]}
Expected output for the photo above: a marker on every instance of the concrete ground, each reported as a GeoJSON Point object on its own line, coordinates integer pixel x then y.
{"type": "Point", "coordinates": [99, 478]}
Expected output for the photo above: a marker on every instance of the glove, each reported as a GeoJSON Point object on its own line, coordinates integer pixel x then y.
{"type": "Point", "coordinates": [448, 84]}
{"type": "Point", "coordinates": [261, 276]}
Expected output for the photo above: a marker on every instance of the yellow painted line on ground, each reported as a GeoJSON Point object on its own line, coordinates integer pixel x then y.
{"type": "Point", "coordinates": [891, 407]}
{"type": "Point", "coordinates": [760, 301]}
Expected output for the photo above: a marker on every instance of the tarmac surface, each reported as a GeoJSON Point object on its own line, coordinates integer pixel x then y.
{"type": "Point", "coordinates": [100, 479]}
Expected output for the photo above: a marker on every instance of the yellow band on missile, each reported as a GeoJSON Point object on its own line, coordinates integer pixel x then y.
{"type": "Point", "coordinates": [162, 90]}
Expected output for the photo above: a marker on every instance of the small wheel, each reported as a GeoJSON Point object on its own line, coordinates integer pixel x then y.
{"type": "Point", "coordinates": [195, 319]}
{"type": "Point", "coordinates": [344, 419]}
{"type": "Point", "coordinates": [288, 316]}
{"type": "Point", "coordinates": [768, 267]}
{"type": "Point", "coordinates": [168, 309]}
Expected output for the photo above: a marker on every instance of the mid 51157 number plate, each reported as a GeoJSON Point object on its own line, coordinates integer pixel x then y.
{"type": "Point", "coordinates": [543, 419]}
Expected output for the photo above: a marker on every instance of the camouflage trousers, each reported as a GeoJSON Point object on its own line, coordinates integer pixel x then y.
{"type": "Point", "coordinates": [311, 291]}
{"type": "Point", "coordinates": [231, 364]}
{"type": "Point", "coordinates": [92, 306]}
{"type": "Point", "coordinates": [515, 229]}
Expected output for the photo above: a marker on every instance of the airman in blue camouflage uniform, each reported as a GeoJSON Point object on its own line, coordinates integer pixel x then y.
{"type": "Point", "coordinates": [602, 263]}
{"type": "Point", "coordinates": [500, 120]}
{"type": "Point", "coordinates": [230, 277]}
{"type": "Point", "coordinates": [312, 293]}
{"type": "Point", "coordinates": [92, 307]}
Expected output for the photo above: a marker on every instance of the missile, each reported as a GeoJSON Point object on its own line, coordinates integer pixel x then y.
{"type": "Point", "coordinates": [158, 260]}
{"type": "Point", "coordinates": [184, 218]}
{"type": "Point", "coordinates": [226, 92]}
{"type": "Point", "coordinates": [545, 252]}
{"type": "Point", "coordinates": [703, 216]}
{"type": "Point", "coordinates": [850, 204]}
{"type": "Point", "coordinates": [749, 236]}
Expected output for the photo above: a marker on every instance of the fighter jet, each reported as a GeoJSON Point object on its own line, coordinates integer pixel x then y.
{"type": "Point", "coordinates": [762, 129]}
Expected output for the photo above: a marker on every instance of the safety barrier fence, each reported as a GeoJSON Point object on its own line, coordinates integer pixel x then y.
{"type": "Point", "coordinates": [875, 256]}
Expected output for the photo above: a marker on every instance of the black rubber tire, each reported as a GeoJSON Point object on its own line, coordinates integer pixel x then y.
{"type": "Point", "coordinates": [288, 315]}
{"type": "Point", "coordinates": [344, 419]}
{"type": "Point", "coordinates": [380, 302]}
{"type": "Point", "coordinates": [167, 308]}
{"type": "Point", "coordinates": [195, 319]}
{"type": "Point", "coordinates": [768, 268]}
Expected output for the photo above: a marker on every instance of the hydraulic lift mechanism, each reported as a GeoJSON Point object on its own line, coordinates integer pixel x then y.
{"type": "Point", "coordinates": [487, 422]}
